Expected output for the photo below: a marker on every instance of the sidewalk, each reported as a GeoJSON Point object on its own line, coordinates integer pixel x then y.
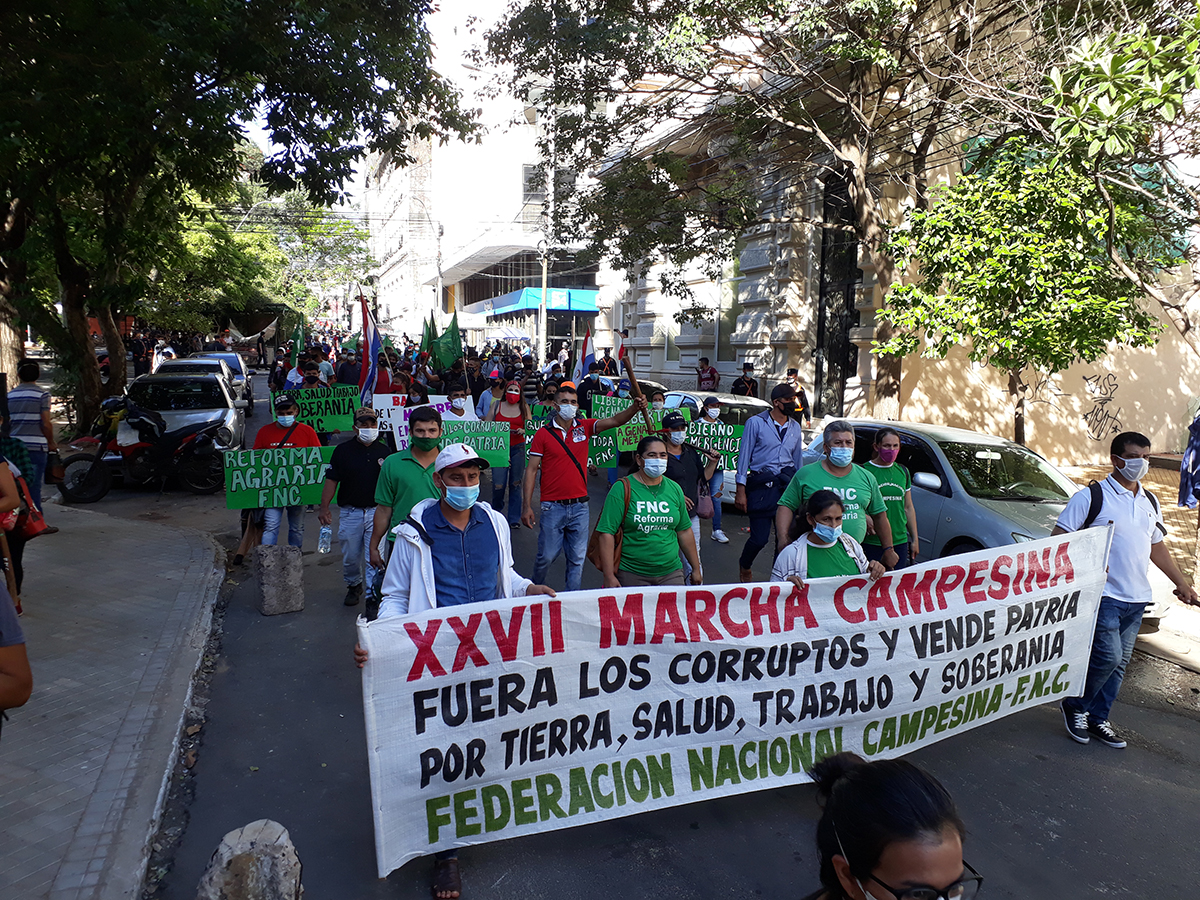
{"type": "Point", "coordinates": [116, 616]}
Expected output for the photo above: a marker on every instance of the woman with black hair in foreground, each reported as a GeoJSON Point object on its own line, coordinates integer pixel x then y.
{"type": "Point", "coordinates": [888, 831]}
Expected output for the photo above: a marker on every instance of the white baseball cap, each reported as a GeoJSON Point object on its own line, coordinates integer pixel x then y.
{"type": "Point", "coordinates": [456, 455]}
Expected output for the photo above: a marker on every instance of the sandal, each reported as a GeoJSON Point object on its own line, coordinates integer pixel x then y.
{"type": "Point", "coordinates": [446, 879]}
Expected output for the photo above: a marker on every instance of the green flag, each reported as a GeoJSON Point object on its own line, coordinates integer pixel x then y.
{"type": "Point", "coordinates": [424, 336]}
{"type": "Point", "coordinates": [448, 347]}
{"type": "Point", "coordinates": [297, 343]}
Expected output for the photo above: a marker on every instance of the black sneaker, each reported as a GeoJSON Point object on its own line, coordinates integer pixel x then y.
{"type": "Point", "coordinates": [1077, 724]}
{"type": "Point", "coordinates": [353, 595]}
{"type": "Point", "coordinates": [1106, 734]}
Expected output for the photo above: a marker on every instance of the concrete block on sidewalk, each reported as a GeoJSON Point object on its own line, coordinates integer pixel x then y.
{"type": "Point", "coordinates": [280, 572]}
{"type": "Point", "coordinates": [255, 862]}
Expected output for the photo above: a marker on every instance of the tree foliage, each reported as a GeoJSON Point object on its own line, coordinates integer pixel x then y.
{"type": "Point", "coordinates": [122, 117]}
{"type": "Point", "coordinates": [1012, 266]}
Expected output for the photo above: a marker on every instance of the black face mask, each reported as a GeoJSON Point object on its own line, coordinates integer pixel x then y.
{"type": "Point", "coordinates": [311, 379]}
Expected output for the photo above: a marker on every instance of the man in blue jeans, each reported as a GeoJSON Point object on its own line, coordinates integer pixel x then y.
{"type": "Point", "coordinates": [1137, 541]}
{"type": "Point", "coordinates": [29, 418]}
{"type": "Point", "coordinates": [353, 475]}
{"type": "Point", "coordinates": [562, 444]}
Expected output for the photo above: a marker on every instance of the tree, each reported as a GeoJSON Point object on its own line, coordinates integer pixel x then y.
{"type": "Point", "coordinates": [701, 120]}
{"type": "Point", "coordinates": [1012, 264]}
{"type": "Point", "coordinates": [120, 109]}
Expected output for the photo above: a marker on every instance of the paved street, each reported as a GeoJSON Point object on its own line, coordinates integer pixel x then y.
{"type": "Point", "coordinates": [1048, 818]}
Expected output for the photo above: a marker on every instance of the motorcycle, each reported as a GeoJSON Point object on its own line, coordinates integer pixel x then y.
{"type": "Point", "coordinates": [139, 452]}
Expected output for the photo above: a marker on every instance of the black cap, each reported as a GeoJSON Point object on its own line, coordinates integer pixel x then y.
{"type": "Point", "coordinates": [793, 371]}
{"type": "Point", "coordinates": [673, 419]}
{"type": "Point", "coordinates": [283, 401]}
{"type": "Point", "coordinates": [782, 392]}
{"type": "Point", "coordinates": [746, 367]}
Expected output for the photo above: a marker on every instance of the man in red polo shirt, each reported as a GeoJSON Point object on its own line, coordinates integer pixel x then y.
{"type": "Point", "coordinates": [562, 443]}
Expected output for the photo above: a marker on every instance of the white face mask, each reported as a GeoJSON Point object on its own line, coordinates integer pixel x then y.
{"type": "Point", "coordinates": [712, 412]}
{"type": "Point", "coordinates": [677, 437]}
{"type": "Point", "coordinates": [655, 468]}
{"type": "Point", "coordinates": [1134, 469]}
{"type": "Point", "coordinates": [459, 403]}
{"type": "Point", "coordinates": [657, 404]}
{"type": "Point", "coordinates": [567, 410]}
{"type": "Point", "coordinates": [366, 435]}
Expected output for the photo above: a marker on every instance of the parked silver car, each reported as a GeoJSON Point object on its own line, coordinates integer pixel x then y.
{"type": "Point", "coordinates": [198, 366]}
{"type": "Point", "coordinates": [243, 384]}
{"type": "Point", "coordinates": [973, 490]}
{"type": "Point", "coordinates": [190, 399]}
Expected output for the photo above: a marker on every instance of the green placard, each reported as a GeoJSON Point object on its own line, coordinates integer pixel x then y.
{"type": "Point", "coordinates": [724, 439]}
{"type": "Point", "coordinates": [325, 409]}
{"type": "Point", "coordinates": [628, 435]}
{"type": "Point", "coordinates": [602, 451]}
{"type": "Point", "coordinates": [539, 414]}
{"type": "Point", "coordinates": [489, 439]}
{"type": "Point", "coordinates": [267, 479]}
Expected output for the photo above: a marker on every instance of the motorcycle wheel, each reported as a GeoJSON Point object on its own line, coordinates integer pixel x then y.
{"type": "Point", "coordinates": [83, 483]}
{"type": "Point", "coordinates": [203, 474]}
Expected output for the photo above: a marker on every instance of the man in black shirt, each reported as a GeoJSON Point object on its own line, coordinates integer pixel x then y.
{"type": "Point", "coordinates": [685, 467]}
{"type": "Point", "coordinates": [349, 371]}
{"type": "Point", "coordinates": [355, 467]}
{"type": "Point", "coordinates": [608, 365]}
{"type": "Point", "coordinates": [590, 385]}
{"type": "Point", "coordinates": [747, 384]}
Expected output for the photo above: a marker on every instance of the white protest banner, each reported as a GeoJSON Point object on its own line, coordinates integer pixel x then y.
{"type": "Point", "coordinates": [393, 415]}
{"type": "Point", "coordinates": [524, 715]}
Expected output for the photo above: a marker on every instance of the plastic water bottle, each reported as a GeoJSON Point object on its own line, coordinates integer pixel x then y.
{"type": "Point", "coordinates": [325, 541]}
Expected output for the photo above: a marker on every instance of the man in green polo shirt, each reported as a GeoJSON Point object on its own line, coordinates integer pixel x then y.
{"type": "Point", "coordinates": [405, 479]}
{"type": "Point", "coordinates": [856, 486]}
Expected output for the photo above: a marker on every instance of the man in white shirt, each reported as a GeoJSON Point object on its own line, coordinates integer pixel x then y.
{"type": "Point", "coordinates": [1137, 541]}
{"type": "Point", "coordinates": [460, 405]}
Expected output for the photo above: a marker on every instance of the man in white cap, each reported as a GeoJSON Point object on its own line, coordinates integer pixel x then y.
{"type": "Point", "coordinates": [462, 543]}
{"type": "Point", "coordinates": [451, 551]}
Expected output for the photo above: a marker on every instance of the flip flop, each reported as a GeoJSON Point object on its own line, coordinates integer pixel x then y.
{"type": "Point", "coordinates": [446, 878]}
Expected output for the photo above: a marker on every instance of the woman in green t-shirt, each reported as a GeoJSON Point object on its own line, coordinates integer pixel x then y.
{"type": "Point", "coordinates": [654, 523]}
{"type": "Point", "coordinates": [895, 483]}
{"type": "Point", "coordinates": [819, 548]}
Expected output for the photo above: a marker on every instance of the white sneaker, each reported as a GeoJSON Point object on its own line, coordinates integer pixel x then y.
{"type": "Point", "coordinates": [719, 537]}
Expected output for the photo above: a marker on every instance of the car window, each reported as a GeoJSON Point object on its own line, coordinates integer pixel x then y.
{"type": "Point", "coordinates": [181, 395]}
{"type": "Point", "coordinates": [739, 413]}
{"type": "Point", "coordinates": [193, 366]}
{"type": "Point", "coordinates": [1006, 472]}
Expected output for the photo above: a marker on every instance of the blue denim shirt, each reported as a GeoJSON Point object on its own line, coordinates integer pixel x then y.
{"type": "Point", "coordinates": [769, 447]}
{"type": "Point", "coordinates": [466, 564]}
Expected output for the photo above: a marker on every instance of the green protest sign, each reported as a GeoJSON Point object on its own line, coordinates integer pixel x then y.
{"type": "Point", "coordinates": [539, 415]}
{"type": "Point", "coordinates": [718, 436]}
{"type": "Point", "coordinates": [489, 439]}
{"type": "Point", "coordinates": [628, 435]}
{"type": "Point", "coordinates": [268, 479]}
{"type": "Point", "coordinates": [327, 408]}
{"type": "Point", "coordinates": [602, 451]}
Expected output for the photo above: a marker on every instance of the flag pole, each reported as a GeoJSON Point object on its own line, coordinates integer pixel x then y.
{"type": "Point", "coordinates": [636, 390]}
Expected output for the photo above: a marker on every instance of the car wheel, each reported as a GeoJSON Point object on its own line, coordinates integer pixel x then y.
{"type": "Point", "coordinates": [961, 545]}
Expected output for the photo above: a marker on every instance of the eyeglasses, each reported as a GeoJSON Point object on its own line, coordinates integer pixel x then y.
{"type": "Point", "coordinates": [964, 889]}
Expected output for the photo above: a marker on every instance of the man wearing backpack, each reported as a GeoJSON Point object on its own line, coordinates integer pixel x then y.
{"type": "Point", "coordinates": [559, 450]}
{"type": "Point", "coordinates": [1138, 531]}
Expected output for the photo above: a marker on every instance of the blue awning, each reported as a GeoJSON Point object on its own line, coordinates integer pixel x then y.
{"type": "Point", "coordinates": [557, 300]}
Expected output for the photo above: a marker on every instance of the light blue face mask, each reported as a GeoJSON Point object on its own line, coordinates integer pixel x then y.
{"type": "Point", "coordinates": [622, 394]}
{"type": "Point", "coordinates": [827, 533]}
{"type": "Point", "coordinates": [841, 456]}
{"type": "Point", "coordinates": [655, 468]}
{"type": "Point", "coordinates": [462, 498]}
{"type": "Point", "coordinates": [286, 421]}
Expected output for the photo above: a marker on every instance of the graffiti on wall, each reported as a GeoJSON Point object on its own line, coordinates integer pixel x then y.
{"type": "Point", "coordinates": [1103, 419]}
